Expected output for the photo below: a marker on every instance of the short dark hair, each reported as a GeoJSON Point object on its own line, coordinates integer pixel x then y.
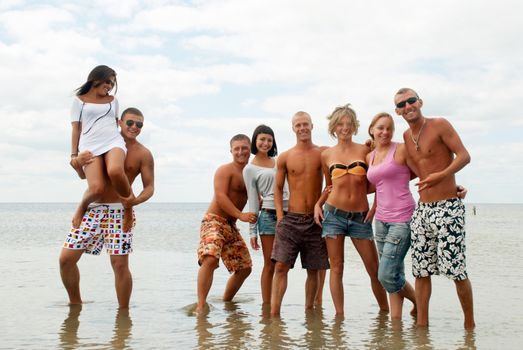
{"type": "Point", "coordinates": [239, 137]}
{"type": "Point", "coordinates": [131, 110]}
{"type": "Point", "coordinates": [405, 90]}
{"type": "Point", "coordinates": [264, 129]}
{"type": "Point", "coordinates": [98, 74]}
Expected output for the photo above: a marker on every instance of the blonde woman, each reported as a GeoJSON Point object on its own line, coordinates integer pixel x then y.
{"type": "Point", "coordinates": [346, 210]}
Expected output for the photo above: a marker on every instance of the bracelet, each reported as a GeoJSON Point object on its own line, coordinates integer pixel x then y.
{"type": "Point", "coordinates": [74, 155]}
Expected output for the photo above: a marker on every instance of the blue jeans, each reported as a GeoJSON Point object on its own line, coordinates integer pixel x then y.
{"type": "Point", "coordinates": [393, 241]}
{"type": "Point", "coordinates": [266, 223]}
{"type": "Point", "coordinates": [334, 225]}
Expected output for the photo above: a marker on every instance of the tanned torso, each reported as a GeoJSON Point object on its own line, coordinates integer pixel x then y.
{"type": "Point", "coordinates": [349, 192]}
{"type": "Point", "coordinates": [302, 165]}
{"type": "Point", "coordinates": [231, 175]}
{"type": "Point", "coordinates": [432, 156]}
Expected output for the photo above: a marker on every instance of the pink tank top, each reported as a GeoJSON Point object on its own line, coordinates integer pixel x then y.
{"type": "Point", "coordinates": [395, 202]}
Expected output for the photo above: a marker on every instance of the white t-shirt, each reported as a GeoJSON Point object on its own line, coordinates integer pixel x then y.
{"type": "Point", "coordinates": [99, 132]}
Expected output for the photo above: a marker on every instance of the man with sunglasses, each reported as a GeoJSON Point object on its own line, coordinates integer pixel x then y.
{"type": "Point", "coordinates": [435, 153]}
{"type": "Point", "coordinates": [104, 224]}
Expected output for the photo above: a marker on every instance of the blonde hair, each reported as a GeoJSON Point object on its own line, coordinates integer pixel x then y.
{"type": "Point", "coordinates": [375, 120]}
{"type": "Point", "coordinates": [340, 112]}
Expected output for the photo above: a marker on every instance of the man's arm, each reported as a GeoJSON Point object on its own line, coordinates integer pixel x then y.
{"type": "Point", "coordinates": [451, 139]}
{"type": "Point", "coordinates": [318, 211]}
{"type": "Point", "coordinates": [281, 173]}
{"type": "Point", "coordinates": [222, 184]}
{"type": "Point", "coordinates": [147, 175]}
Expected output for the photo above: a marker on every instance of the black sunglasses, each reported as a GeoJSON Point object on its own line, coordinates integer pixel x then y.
{"type": "Point", "coordinates": [109, 81]}
{"type": "Point", "coordinates": [410, 101]}
{"type": "Point", "coordinates": [130, 123]}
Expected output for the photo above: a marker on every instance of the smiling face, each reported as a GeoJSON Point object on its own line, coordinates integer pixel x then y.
{"type": "Point", "coordinates": [129, 126]}
{"type": "Point", "coordinates": [302, 126]}
{"type": "Point", "coordinates": [103, 87]}
{"type": "Point", "coordinates": [383, 130]}
{"type": "Point", "coordinates": [264, 143]}
{"type": "Point", "coordinates": [241, 151]}
{"type": "Point", "coordinates": [344, 128]}
{"type": "Point", "coordinates": [411, 111]}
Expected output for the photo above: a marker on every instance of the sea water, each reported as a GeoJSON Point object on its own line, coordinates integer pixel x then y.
{"type": "Point", "coordinates": [34, 313]}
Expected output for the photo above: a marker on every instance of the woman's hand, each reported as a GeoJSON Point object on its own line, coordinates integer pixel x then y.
{"type": "Point", "coordinates": [254, 243]}
{"type": "Point", "coordinates": [318, 214]}
{"type": "Point", "coordinates": [370, 215]}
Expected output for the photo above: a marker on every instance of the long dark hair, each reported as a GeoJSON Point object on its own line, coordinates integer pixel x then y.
{"type": "Point", "coordinates": [96, 77]}
{"type": "Point", "coordinates": [264, 129]}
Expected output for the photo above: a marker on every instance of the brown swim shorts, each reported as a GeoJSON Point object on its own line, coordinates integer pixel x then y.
{"type": "Point", "coordinates": [220, 238]}
{"type": "Point", "coordinates": [298, 233]}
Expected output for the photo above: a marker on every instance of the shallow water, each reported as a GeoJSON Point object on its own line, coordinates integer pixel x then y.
{"type": "Point", "coordinates": [35, 314]}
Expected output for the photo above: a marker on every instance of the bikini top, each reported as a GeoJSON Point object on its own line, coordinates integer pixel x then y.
{"type": "Point", "coordinates": [358, 167]}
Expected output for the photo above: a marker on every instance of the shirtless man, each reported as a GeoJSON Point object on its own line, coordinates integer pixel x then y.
{"type": "Point", "coordinates": [435, 153]}
{"type": "Point", "coordinates": [219, 236]}
{"type": "Point", "coordinates": [94, 232]}
{"type": "Point", "coordinates": [296, 231]}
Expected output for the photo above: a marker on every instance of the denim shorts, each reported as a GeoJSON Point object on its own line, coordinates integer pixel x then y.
{"type": "Point", "coordinates": [266, 222]}
{"type": "Point", "coordinates": [334, 225]}
{"type": "Point", "coordinates": [393, 241]}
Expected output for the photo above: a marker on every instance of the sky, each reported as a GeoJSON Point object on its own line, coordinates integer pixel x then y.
{"type": "Point", "coordinates": [202, 71]}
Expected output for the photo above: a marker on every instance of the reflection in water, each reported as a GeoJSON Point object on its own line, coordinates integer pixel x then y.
{"type": "Point", "coordinates": [378, 331]}
{"type": "Point", "coordinates": [469, 340]}
{"type": "Point", "coordinates": [237, 327]}
{"type": "Point", "coordinates": [338, 336]}
{"type": "Point", "coordinates": [69, 328]}
{"type": "Point", "coordinates": [205, 336]}
{"type": "Point", "coordinates": [122, 329]}
{"type": "Point", "coordinates": [421, 337]}
{"type": "Point", "coordinates": [234, 333]}
{"type": "Point", "coordinates": [273, 334]}
{"type": "Point", "coordinates": [315, 335]}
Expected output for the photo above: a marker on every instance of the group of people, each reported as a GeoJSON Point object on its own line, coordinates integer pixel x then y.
{"type": "Point", "coordinates": [288, 206]}
{"type": "Point", "coordinates": [293, 214]}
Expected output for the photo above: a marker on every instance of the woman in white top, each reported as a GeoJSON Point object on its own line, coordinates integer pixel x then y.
{"type": "Point", "coordinates": [259, 177]}
{"type": "Point", "coordinates": [94, 119]}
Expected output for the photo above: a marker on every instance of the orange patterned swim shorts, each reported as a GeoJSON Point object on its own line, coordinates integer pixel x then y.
{"type": "Point", "coordinates": [220, 238]}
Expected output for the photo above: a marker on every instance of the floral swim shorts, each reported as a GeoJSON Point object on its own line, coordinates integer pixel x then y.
{"type": "Point", "coordinates": [438, 239]}
{"type": "Point", "coordinates": [220, 238]}
{"type": "Point", "coordinates": [102, 225]}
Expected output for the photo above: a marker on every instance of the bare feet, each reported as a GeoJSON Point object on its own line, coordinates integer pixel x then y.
{"type": "Point", "coordinates": [78, 216]}
{"type": "Point", "coordinates": [203, 310]}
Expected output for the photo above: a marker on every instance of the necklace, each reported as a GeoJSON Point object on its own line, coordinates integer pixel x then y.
{"type": "Point", "coordinates": [416, 140]}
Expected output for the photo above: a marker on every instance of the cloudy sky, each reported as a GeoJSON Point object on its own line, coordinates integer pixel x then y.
{"type": "Point", "coordinates": [202, 71]}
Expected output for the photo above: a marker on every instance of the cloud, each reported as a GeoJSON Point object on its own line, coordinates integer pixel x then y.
{"type": "Point", "coordinates": [203, 71]}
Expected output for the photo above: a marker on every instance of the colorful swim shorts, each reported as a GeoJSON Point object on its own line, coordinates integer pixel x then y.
{"type": "Point", "coordinates": [221, 238]}
{"type": "Point", "coordinates": [438, 239]}
{"type": "Point", "coordinates": [102, 225]}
